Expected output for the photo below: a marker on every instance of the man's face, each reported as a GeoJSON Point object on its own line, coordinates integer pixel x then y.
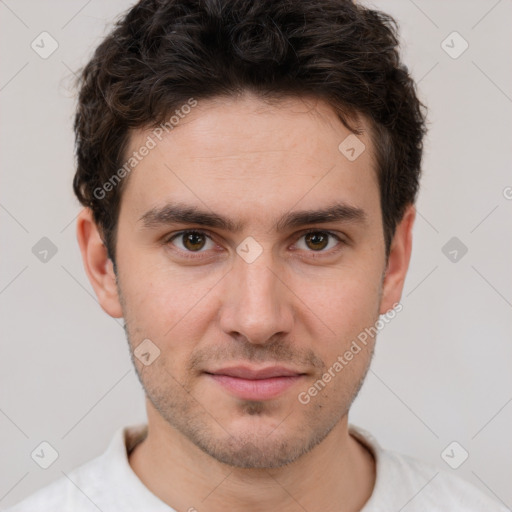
{"type": "Point", "coordinates": [246, 320]}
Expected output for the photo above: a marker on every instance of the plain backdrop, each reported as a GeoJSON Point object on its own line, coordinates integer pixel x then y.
{"type": "Point", "coordinates": [442, 369]}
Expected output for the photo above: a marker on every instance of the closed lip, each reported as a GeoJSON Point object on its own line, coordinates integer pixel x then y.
{"type": "Point", "coordinates": [251, 373]}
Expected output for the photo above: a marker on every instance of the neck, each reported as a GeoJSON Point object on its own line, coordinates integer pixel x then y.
{"type": "Point", "coordinates": [338, 474]}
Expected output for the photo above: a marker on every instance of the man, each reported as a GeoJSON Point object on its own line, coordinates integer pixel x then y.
{"type": "Point", "coordinates": [249, 172]}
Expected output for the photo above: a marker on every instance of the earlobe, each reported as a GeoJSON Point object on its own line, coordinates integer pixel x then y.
{"type": "Point", "coordinates": [398, 261]}
{"type": "Point", "coordinates": [97, 264]}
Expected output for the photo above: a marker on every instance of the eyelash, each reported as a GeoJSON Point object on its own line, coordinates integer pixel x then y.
{"type": "Point", "coordinates": [193, 256]}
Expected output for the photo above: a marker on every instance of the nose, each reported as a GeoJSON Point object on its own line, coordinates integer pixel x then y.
{"type": "Point", "coordinates": [256, 301]}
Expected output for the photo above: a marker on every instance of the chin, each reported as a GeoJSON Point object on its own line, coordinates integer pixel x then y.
{"type": "Point", "coordinates": [259, 442]}
{"type": "Point", "coordinates": [254, 452]}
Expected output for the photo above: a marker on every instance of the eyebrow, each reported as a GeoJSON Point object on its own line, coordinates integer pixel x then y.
{"type": "Point", "coordinates": [178, 213]}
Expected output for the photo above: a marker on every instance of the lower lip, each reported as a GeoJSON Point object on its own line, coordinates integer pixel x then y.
{"type": "Point", "coordinates": [256, 389]}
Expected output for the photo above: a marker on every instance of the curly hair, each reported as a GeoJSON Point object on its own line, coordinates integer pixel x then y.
{"type": "Point", "coordinates": [163, 52]}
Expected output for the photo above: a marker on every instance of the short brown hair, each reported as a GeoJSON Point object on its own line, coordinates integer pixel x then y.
{"type": "Point", "coordinates": [161, 53]}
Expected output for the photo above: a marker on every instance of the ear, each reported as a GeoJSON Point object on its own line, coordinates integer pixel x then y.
{"type": "Point", "coordinates": [398, 261]}
{"type": "Point", "coordinates": [97, 264]}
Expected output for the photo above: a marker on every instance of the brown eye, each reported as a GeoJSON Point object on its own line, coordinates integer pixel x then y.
{"type": "Point", "coordinates": [319, 241]}
{"type": "Point", "coordinates": [191, 241]}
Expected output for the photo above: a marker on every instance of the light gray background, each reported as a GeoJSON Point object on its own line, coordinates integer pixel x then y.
{"type": "Point", "coordinates": [442, 367]}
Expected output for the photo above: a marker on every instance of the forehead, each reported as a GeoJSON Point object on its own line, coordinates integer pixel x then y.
{"type": "Point", "coordinates": [244, 155]}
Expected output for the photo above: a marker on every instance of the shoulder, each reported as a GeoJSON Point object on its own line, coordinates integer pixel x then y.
{"type": "Point", "coordinates": [438, 489]}
{"type": "Point", "coordinates": [402, 481]}
{"type": "Point", "coordinates": [105, 481]}
{"type": "Point", "coordinates": [70, 492]}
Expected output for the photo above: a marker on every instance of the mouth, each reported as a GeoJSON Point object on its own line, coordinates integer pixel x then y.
{"type": "Point", "coordinates": [249, 383]}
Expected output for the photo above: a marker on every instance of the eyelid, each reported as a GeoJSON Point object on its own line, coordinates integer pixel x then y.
{"type": "Point", "coordinates": [170, 238]}
{"type": "Point", "coordinates": [318, 230]}
{"type": "Point", "coordinates": [190, 255]}
{"type": "Point", "coordinates": [298, 235]}
{"type": "Point", "coordinates": [319, 254]}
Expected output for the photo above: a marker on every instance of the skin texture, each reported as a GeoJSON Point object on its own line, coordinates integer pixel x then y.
{"type": "Point", "coordinates": [300, 304]}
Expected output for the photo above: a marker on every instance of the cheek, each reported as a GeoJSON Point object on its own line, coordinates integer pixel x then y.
{"type": "Point", "coordinates": [170, 310]}
{"type": "Point", "coordinates": [343, 310]}
{"type": "Point", "coordinates": [350, 312]}
{"type": "Point", "coordinates": [345, 299]}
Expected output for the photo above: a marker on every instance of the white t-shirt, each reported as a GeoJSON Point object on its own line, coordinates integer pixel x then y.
{"type": "Point", "coordinates": [108, 483]}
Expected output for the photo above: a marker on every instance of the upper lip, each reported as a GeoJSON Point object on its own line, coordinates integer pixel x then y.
{"type": "Point", "coordinates": [246, 372]}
